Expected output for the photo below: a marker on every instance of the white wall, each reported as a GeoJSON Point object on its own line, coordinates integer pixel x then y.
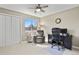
{"type": "Point", "coordinates": [22, 18]}
{"type": "Point", "coordinates": [69, 20]}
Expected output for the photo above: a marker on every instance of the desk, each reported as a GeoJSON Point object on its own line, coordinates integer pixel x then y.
{"type": "Point", "coordinates": [67, 40]}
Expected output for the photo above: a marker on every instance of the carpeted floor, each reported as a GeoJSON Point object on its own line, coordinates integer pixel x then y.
{"type": "Point", "coordinates": [25, 48]}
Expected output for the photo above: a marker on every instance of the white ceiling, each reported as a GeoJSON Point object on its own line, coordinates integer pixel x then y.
{"type": "Point", "coordinates": [52, 8]}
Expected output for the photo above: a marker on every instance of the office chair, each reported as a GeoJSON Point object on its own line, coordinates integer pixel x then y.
{"type": "Point", "coordinates": [56, 38]}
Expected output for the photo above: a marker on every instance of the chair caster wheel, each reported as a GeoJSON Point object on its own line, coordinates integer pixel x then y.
{"type": "Point", "coordinates": [51, 46]}
{"type": "Point", "coordinates": [59, 49]}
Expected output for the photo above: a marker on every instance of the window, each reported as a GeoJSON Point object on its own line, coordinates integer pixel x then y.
{"type": "Point", "coordinates": [30, 24]}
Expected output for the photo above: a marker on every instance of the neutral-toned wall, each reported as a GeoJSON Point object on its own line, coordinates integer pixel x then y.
{"type": "Point", "coordinates": [7, 11]}
{"type": "Point", "coordinates": [22, 16]}
{"type": "Point", "coordinates": [69, 20]}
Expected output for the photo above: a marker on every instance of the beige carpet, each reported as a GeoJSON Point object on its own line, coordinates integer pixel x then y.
{"type": "Point", "coordinates": [25, 48]}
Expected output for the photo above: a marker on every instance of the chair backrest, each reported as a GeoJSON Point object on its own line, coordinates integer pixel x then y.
{"type": "Point", "coordinates": [56, 33]}
{"type": "Point", "coordinates": [55, 30]}
{"type": "Point", "coordinates": [40, 32]}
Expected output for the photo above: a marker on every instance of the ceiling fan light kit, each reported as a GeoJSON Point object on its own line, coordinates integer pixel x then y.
{"type": "Point", "coordinates": [39, 8]}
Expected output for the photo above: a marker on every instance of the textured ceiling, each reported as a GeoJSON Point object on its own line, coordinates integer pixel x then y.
{"type": "Point", "coordinates": [24, 8]}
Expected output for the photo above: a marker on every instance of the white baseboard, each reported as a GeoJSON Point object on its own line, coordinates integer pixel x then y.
{"type": "Point", "coordinates": [76, 47]}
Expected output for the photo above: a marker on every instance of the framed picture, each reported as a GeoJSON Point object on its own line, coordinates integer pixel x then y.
{"type": "Point", "coordinates": [58, 20]}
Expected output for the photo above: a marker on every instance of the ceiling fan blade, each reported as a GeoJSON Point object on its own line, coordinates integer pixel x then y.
{"type": "Point", "coordinates": [38, 5]}
{"type": "Point", "coordinates": [44, 6]}
{"type": "Point", "coordinates": [42, 10]}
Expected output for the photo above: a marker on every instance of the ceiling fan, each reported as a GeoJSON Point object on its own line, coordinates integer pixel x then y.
{"type": "Point", "coordinates": [39, 8]}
